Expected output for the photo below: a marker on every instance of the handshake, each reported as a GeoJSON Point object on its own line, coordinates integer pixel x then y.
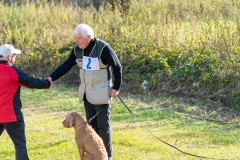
{"type": "Point", "coordinates": [50, 79]}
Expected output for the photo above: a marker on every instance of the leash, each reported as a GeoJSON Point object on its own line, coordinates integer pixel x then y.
{"type": "Point", "coordinates": [162, 140]}
{"type": "Point", "coordinates": [89, 121]}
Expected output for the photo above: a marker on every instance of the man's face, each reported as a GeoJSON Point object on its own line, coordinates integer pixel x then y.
{"type": "Point", "coordinates": [12, 58]}
{"type": "Point", "coordinates": [81, 41]}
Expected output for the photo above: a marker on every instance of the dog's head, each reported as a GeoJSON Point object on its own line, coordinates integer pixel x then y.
{"type": "Point", "coordinates": [69, 121]}
{"type": "Point", "coordinates": [73, 120]}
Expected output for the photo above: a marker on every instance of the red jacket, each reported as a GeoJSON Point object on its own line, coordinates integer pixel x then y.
{"type": "Point", "coordinates": [11, 80]}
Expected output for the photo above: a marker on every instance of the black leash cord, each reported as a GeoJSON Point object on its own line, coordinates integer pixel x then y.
{"type": "Point", "coordinates": [89, 121]}
{"type": "Point", "coordinates": [164, 141]}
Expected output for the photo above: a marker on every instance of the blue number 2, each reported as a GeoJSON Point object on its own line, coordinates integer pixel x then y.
{"type": "Point", "coordinates": [89, 61]}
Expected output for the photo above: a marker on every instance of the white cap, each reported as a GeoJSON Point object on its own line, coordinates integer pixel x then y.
{"type": "Point", "coordinates": [7, 49]}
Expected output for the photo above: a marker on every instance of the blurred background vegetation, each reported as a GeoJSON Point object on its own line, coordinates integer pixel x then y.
{"type": "Point", "coordinates": [178, 46]}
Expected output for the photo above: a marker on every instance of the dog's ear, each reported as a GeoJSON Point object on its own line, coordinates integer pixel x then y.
{"type": "Point", "coordinates": [70, 120]}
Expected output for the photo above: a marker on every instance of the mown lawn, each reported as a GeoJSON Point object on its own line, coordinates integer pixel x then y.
{"type": "Point", "coordinates": [184, 123]}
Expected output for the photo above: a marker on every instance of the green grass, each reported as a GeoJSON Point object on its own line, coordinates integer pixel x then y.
{"type": "Point", "coordinates": [169, 118]}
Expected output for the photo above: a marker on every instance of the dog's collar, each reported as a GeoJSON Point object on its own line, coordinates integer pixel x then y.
{"type": "Point", "coordinates": [82, 124]}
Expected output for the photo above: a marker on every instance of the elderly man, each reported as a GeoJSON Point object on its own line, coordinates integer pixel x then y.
{"type": "Point", "coordinates": [11, 117]}
{"type": "Point", "coordinates": [94, 57]}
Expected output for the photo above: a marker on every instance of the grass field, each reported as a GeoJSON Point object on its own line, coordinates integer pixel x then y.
{"type": "Point", "coordinates": [184, 123]}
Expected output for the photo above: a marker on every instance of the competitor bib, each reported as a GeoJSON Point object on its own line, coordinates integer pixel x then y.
{"type": "Point", "coordinates": [90, 63]}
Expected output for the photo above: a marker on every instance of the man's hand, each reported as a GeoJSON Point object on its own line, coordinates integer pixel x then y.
{"type": "Point", "coordinates": [50, 79]}
{"type": "Point", "coordinates": [113, 93]}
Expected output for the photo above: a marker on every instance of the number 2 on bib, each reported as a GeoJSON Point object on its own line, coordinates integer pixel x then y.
{"type": "Point", "coordinates": [89, 62]}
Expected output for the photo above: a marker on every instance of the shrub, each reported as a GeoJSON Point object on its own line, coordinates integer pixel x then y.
{"type": "Point", "coordinates": [191, 46]}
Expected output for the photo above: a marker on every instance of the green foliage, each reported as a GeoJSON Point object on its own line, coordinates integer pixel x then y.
{"type": "Point", "coordinates": [122, 5]}
{"type": "Point", "coordinates": [191, 46]}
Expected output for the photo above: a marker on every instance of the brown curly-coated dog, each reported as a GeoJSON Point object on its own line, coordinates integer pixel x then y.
{"type": "Point", "coordinates": [86, 138]}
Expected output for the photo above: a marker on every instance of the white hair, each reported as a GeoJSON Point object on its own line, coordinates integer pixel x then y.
{"type": "Point", "coordinates": [85, 30]}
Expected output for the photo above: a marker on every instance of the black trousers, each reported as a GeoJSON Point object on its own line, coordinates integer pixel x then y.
{"type": "Point", "coordinates": [101, 124]}
{"type": "Point", "coordinates": [16, 131]}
